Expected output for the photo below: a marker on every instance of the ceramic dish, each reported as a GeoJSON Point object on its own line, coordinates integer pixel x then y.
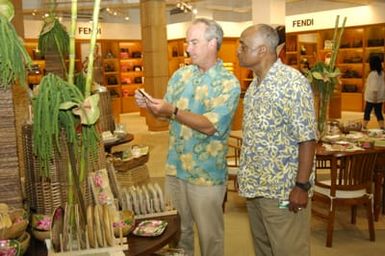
{"type": "Point", "coordinates": [160, 196]}
{"type": "Point", "coordinates": [150, 228]}
{"type": "Point", "coordinates": [154, 196]}
{"type": "Point", "coordinates": [9, 247]}
{"type": "Point", "coordinates": [57, 227]}
{"type": "Point", "coordinates": [98, 213]}
{"type": "Point", "coordinates": [90, 226]}
{"type": "Point", "coordinates": [107, 225]}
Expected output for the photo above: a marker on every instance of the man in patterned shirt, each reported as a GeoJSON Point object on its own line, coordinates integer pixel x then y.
{"type": "Point", "coordinates": [200, 101]}
{"type": "Point", "coordinates": [277, 157]}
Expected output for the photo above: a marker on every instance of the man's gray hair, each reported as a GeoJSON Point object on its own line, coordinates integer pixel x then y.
{"type": "Point", "coordinates": [269, 36]}
{"type": "Point", "coordinates": [214, 30]}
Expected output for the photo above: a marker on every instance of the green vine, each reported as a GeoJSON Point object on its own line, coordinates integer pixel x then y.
{"type": "Point", "coordinates": [50, 118]}
{"type": "Point", "coordinates": [13, 57]}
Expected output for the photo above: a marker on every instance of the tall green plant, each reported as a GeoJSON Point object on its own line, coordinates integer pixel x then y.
{"type": "Point", "coordinates": [13, 56]}
{"type": "Point", "coordinates": [324, 77]}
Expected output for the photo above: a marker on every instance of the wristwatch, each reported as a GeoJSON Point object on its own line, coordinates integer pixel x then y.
{"type": "Point", "coordinates": [174, 113]}
{"type": "Point", "coordinates": [304, 186]}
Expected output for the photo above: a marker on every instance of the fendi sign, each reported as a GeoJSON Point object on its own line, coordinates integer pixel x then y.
{"type": "Point", "coordinates": [303, 23]}
{"type": "Point", "coordinates": [87, 30]}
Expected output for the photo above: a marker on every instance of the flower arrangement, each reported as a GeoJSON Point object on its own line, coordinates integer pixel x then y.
{"type": "Point", "coordinates": [323, 77]}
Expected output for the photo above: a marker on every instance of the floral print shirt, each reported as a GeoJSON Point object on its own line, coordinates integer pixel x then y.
{"type": "Point", "coordinates": [193, 156]}
{"type": "Point", "coordinates": [278, 115]}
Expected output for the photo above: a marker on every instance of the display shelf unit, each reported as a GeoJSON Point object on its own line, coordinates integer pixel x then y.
{"type": "Point", "coordinates": [356, 47]}
{"type": "Point", "coordinates": [177, 55]}
{"type": "Point", "coordinates": [131, 73]}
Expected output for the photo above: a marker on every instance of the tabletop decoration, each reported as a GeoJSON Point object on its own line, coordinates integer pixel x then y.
{"type": "Point", "coordinates": [323, 77]}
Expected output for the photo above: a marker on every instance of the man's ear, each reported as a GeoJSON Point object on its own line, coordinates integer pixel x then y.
{"type": "Point", "coordinates": [213, 43]}
{"type": "Point", "coordinates": [262, 50]}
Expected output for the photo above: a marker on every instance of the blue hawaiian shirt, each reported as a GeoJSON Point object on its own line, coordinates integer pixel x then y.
{"type": "Point", "coordinates": [193, 156]}
{"type": "Point", "coordinates": [278, 115]}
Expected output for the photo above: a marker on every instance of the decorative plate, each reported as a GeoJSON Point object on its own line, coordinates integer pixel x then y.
{"type": "Point", "coordinates": [150, 228]}
{"type": "Point", "coordinates": [57, 227]}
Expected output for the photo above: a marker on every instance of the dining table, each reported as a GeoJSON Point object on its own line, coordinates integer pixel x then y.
{"type": "Point", "coordinates": [327, 149]}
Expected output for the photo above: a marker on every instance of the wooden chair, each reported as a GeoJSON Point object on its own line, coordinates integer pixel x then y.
{"type": "Point", "coordinates": [233, 157]}
{"type": "Point", "coordinates": [349, 183]}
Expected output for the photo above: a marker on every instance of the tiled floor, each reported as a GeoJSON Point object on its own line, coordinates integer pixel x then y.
{"type": "Point", "coordinates": [352, 240]}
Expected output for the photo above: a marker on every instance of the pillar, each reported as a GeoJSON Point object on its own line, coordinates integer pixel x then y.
{"type": "Point", "coordinates": [155, 57]}
{"type": "Point", "coordinates": [270, 12]}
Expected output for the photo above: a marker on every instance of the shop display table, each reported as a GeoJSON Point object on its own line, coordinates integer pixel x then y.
{"type": "Point", "coordinates": [139, 246]}
{"type": "Point", "coordinates": [126, 138]}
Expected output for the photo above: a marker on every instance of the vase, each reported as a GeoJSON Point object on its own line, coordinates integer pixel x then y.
{"type": "Point", "coordinates": [323, 115]}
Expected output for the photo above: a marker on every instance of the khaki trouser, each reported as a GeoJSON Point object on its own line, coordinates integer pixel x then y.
{"type": "Point", "coordinates": [279, 232]}
{"type": "Point", "coordinates": [202, 205]}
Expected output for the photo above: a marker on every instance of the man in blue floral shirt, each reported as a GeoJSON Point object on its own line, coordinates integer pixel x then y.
{"type": "Point", "coordinates": [200, 101]}
{"type": "Point", "coordinates": [277, 157]}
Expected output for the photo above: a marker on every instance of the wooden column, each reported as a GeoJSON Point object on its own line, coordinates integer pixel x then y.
{"type": "Point", "coordinates": [155, 58]}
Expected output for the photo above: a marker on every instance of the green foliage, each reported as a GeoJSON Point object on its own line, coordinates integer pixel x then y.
{"type": "Point", "coordinates": [6, 9]}
{"type": "Point", "coordinates": [53, 36]}
{"type": "Point", "coordinates": [13, 56]}
{"type": "Point", "coordinates": [50, 120]}
{"type": "Point", "coordinates": [80, 82]}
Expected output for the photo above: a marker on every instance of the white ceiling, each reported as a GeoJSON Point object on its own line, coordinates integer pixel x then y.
{"type": "Point", "coordinates": [223, 10]}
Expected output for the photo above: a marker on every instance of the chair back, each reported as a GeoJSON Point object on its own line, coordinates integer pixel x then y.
{"type": "Point", "coordinates": [350, 172]}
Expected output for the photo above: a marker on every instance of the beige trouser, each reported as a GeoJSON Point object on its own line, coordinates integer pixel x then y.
{"type": "Point", "coordinates": [202, 205]}
{"type": "Point", "coordinates": [276, 231]}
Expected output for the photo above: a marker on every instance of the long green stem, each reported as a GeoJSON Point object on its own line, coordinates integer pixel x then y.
{"type": "Point", "coordinates": [94, 32]}
{"type": "Point", "coordinates": [74, 10]}
{"type": "Point", "coordinates": [61, 55]}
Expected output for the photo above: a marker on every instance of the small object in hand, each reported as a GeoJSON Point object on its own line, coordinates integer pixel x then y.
{"type": "Point", "coordinates": [144, 94]}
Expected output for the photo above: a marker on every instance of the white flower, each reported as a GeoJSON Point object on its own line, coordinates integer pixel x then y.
{"type": "Point", "coordinates": [170, 169]}
{"type": "Point", "coordinates": [213, 117]}
{"type": "Point", "coordinates": [187, 161]}
{"type": "Point", "coordinates": [186, 132]}
{"type": "Point", "coordinates": [201, 92]}
{"type": "Point", "coordinates": [227, 85]}
{"type": "Point", "coordinates": [214, 147]}
{"type": "Point", "coordinates": [182, 103]}
{"type": "Point", "coordinates": [186, 75]}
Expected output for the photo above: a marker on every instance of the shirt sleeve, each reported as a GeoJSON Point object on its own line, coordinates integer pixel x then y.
{"type": "Point", "coordinates": [224, 105]}
{"type": "Point", "coordinates": [303, 115]}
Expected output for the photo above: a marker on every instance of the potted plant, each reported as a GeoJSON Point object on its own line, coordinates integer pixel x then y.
{"type": "Point", "coordinates": [323, 77]}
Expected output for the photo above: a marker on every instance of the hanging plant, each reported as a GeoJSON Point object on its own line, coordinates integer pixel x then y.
{"type": "Point", "coordinates": [54, 37]}
{"type": "Point", "coordinates": [13, 57]}
{"type": "Point", "coordinates": [59, 105]}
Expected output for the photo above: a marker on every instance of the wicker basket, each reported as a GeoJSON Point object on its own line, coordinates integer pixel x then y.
{"type": "Point", "coordinates": [125, 165]}
{"type": "Point", "coordinates": [24, 240]}
{"type": "Point", "coordinates": [133, 176]}
{"type": "Point", "coordinates": [46, 194]}
{"type": "Point", "coordinates": [106, 120]}
{"type": "Point", "coordinates": [10, 189]}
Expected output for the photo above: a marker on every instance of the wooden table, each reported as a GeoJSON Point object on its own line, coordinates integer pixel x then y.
{"type": "Point", "coordinates": [124, 139]}
{"type": "Point", "coordinates": [379, 172]}
{"type": "Point", "coordinates": [139, 246]}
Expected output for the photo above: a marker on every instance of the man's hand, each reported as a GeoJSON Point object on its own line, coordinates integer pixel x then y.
{"type": "Point", "coordinates": [298, 199]}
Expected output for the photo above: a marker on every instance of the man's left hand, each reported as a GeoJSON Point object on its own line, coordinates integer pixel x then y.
{"type": "Point", "coordinates": [298, 199]}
